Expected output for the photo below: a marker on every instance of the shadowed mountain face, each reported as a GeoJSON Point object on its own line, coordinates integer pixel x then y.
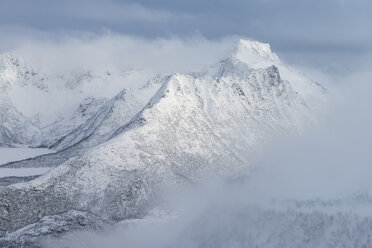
{"type": "Point", "coordinates": [175, 129]}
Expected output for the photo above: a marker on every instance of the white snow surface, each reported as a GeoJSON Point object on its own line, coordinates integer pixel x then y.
{"type": "Point", "coordinates": [15, 154]}
{"type": "Point", "coordinates": [259, 55]}
{"type": "Point", "coordinates": [22, 172]}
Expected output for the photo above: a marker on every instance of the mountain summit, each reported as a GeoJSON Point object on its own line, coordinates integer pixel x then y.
{"type": "Point", "coordinates": [255, 54]}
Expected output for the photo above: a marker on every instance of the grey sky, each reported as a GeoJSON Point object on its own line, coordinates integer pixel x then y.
{"type": "Point", "coordinates": [309, 28]}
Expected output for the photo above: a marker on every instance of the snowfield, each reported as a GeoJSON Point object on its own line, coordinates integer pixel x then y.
{"type": "Point", "coordinates": [22, 172]}
{"type": "Point", "coordinates": [8, 155]}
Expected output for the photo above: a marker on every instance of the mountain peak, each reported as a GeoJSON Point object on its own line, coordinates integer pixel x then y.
{"type": "Point", "coordinates": [254, 53]}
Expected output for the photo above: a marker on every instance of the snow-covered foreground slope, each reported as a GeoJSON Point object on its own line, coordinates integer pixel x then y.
{"type": "Point", "coordinates": [198, 124]}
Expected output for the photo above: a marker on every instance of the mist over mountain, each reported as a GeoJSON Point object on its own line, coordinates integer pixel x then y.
{"type": "Point", "coordinates": [143, 124]}
{"type": "Point", "coordinates": [114, 153]}
{"type": "Point", "coordinates": [199, 123]}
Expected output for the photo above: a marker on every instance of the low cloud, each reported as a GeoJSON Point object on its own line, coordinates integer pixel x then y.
{"type": "Point", "coordinates": [291, 25]}
{"type": "Point", "coordinates": [87, 51]}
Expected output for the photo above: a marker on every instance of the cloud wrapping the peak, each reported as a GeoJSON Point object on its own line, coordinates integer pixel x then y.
{"type": "Point", "coordinates": [318, 22]}
{"type": "Point", "coordinates": [324, 34]}
{"type": "Point", "coordinates": [119, 52]}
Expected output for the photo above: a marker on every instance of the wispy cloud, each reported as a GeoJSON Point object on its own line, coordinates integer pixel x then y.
{"type": "Point", "coordinates": [89, 51]}
{"type": "Point", "coordinates": [316, 32]}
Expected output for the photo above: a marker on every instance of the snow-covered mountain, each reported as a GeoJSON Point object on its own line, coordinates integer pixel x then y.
{"type": "Point", "coordinates": [258, 55]}
{"type": "Point", "coordinates": [174, 129]}
{"type": "Point", "coordinates": [110, 116]}
{"type": "Point", "coordinates": [40, 108]}
{"type": "Point", "coordinates": [99, 127]}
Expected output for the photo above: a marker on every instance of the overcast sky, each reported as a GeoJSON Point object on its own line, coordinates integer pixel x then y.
{"type": "Point", "coordinates": [315, 30]}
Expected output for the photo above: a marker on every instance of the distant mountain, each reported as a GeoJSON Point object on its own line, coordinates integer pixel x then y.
{"type": "Point", "coordinates": [175, 129]}
{"type": "Point", "coordinates": [38, 108]}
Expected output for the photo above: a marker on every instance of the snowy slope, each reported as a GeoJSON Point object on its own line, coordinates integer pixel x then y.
{"type": "Point", "coordinates": [110, 116]}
